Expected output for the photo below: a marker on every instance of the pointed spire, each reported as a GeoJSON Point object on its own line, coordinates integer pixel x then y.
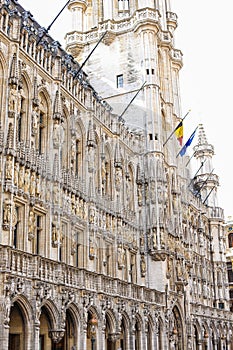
{"type": "Point", "coordinates": [206, 181]}
{"type": "Point", "coordinates": [14, 73]}
{"type": "Point", "coordinates": [203, 145]}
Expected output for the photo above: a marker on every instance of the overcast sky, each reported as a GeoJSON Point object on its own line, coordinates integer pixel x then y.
{"type": "Point", "coordinates": [204, 35]}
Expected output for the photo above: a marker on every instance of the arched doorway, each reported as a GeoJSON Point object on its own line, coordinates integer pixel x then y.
{"type": "Point", "coordinates": [138, 335]}
{"type": "Point", "coordinates": [110, 334]}
{"type": "Point", "coordinates": [45, 342]}
{"type": "Point", "coordinates": [92, 324]}
{"type": "Point", "coordinates": [176, 330]}
{"type": "Point", "coordinates": [17, 328]}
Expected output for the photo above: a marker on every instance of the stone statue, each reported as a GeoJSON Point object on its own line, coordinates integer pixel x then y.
{"type": "Point", "coordinates": [121, 257]}
{"type": "Point", "coordinates": [7, 212]}
{"type": "Point", "coordinates": [31, 224]}
{"type": "Point", "coordinates": [33, 185]}
{"type": "Point", "coordinates": [27, 181]}
{"type": "Point", "coordinates": [35, 121]}
{"type": "Point", "coordinates": [14, 100]}
{"type": "Point", "coordinates": [143, 266]}
{"type": "Point", "coordinates": [9, 169]}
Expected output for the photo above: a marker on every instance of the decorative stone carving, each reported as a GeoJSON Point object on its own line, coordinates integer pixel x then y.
{"type": "Point", "coordinates": [56, 335]}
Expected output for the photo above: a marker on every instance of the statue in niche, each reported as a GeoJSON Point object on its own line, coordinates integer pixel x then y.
{"type": "Point", "coordinates": [84, 211]}
{"type": "Point", "coordinates": [9, 167]}
{"type": "Point", "coordinates": [38, 186]}
{"type": "Point", "coordinates": [33, 185]}
{"type": "Point", "coordinates": [14, 100]}
{"type": "Point", "coordinates": [35, 121]}
{"type": "Point", "coordinates": [31, 224]}
{"type": "Point", "coordinates": [54, 234]}
{"type": "Point", "coordinates": [6, 307]}
{"type": "Point", "coordinates": [55, 193]}
{"type": "Point", "coordinates": [154, 237]}
{"type": "Point", "coordinates": [7, 212]}
{"type": "Point", "coordinates": [92, 249]}
{"type": "Point", "coordinates": [140, 195]}
{"type": "Point", "coordinates": [118, 178]}
{"type": "Point", "coordinates": [73, 149]}
{"type": "Point", "coordinates": [21, 177]}
{"type": "Point", "coordinates": [58, 134]}
{"type": "Point", "coordinates": [121, 258]}
{"type": "Point", "coordinates": [27, 181]}
{"type": "Point", "coordinates": [73, 243]}
{"type": "Point", "coordinates": [143, 266]}
{"type": "Point", "coordinates": [92, 216]}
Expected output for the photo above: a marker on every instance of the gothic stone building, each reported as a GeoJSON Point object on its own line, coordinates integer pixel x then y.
{"type": "Point", "coordinates": [106, 240]}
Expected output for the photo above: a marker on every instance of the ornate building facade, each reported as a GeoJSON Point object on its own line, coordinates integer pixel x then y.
{"type": "Point", "coordinates": [107, 242]}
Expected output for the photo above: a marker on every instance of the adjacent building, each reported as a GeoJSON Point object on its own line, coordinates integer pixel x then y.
{"type": "Point", "coordinates": [107, 240]}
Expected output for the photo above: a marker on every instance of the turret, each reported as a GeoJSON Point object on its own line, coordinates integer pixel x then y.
{"type": "Point", "coordinates": [206, 181]}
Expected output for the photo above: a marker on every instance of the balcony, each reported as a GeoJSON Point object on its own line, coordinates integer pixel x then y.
{"type": "Point", "coordinates": [15, 263]}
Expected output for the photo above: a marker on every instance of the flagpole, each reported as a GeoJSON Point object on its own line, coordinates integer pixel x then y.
{"type": "Point", "coordinates": [202, 163]}
{"type": "Point", "coordinates": [176, 128]}
{"type": "Point", "coordinates": [189, 160]}
{"type": "Point", "coordinates": [46, 30]}
{"type": "Point", "coordinates": [186, 142]}
{"type": "Point", "coordinates": [208, 194]}
{"type": "Point", "coordinates": [204, 182]}
{"type": "Point", "coordinates": [120, 117]}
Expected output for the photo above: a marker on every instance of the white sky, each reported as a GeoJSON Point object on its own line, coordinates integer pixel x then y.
{"type": "Point", "coordinates": [204, 35]}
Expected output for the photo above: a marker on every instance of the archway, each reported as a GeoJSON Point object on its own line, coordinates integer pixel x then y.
{"type": "Point", "coordinates": [110, 335]}
{"type": "Point", "coordinates": [17, 328]}
{"type": "Point", "coordinates": [45, 326]}
{"type": "Point", "coordinates": [176, 329]}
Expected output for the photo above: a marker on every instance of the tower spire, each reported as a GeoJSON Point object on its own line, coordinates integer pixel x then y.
{"type": "Point", "coordinates": [206, 182]}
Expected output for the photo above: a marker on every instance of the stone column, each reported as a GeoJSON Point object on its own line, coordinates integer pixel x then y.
{"type": "Point", "coordinates": [36, 340]}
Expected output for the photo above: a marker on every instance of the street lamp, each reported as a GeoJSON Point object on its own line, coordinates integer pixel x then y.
{"type": "Point", "coordinates": [93, 324]}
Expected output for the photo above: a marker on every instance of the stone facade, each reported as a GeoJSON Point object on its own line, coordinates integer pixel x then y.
{"type": "Point", "coordinates": [106, 242]}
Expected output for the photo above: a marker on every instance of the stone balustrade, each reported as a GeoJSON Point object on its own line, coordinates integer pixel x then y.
{"type": "Point", "coordinates": [17, 263]}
